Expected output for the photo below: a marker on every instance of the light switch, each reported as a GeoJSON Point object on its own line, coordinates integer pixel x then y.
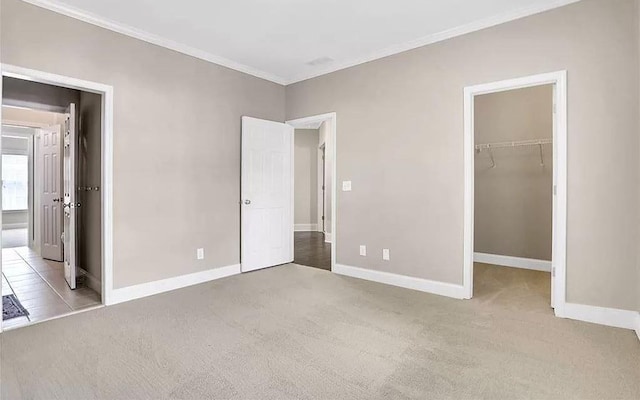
{"type": "Point", "coordinates": [363, 250]}
{"type": "Point", "coordinates": [385, 254]}
{"type": "Point", "coordinates": [346, 186]}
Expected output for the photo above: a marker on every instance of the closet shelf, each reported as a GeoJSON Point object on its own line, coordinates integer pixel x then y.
{"type": "Point", "coordinates": [530, 142]}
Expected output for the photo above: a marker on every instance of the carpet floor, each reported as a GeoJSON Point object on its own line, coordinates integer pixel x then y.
{"type": "Point", "coordinates": [293, 332]}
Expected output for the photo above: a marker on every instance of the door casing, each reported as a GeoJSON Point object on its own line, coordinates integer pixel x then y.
{"type": "Point", "coordinates": [559, 246]}
{"type": "Point", "coordinates": [316, 120]}
{"type": "Point", "coordinates": [106, 190]}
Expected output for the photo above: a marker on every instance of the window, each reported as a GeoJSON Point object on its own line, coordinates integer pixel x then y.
{"type": "Point", "coordinates": [15, 182]}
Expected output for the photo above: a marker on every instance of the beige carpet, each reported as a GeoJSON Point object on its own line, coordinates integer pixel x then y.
{"type": "Point", "coordinates": [293, 332]}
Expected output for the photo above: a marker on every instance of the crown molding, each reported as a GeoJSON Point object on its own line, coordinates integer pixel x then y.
{"type": "Point", "coordinates": [436, 37]}
{"type": "Point", "coordinates": [126, 30]}
{"type": "Point", "coordinates": [212, 58]}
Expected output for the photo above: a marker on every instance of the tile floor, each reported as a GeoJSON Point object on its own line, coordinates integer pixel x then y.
{"type": "Point", "coordinates": [40, 286]}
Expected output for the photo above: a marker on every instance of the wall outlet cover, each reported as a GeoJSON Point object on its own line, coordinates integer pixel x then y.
{"type": "Point", "coordinates": [346, 186]}
{"type": "Point", "coordinates": [385, 254]}
{"type": "Point", "coordinates": [363, 250]}
{"type": "Point", "coordinates": [200, 254]}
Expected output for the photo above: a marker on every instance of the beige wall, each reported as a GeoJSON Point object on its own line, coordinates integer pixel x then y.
{"type": "Point", "coordinates": [176, 138]}
{"type": "Point", "coordinates": [400, 136]}
{"type": "Point", "coordinates": [306, 176]}
{"type": "Point", "coordinates": [89, 164]}
{"type": "Point", "coordinates": [400, 142]}
{"type": "Point", "coordinates": [513, 201]}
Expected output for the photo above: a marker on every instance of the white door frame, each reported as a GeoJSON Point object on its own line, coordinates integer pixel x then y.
{"type": "Point", "coordinates": [305, 123]}
{"type": "Point", "coordinates": [106, 93]}
{"type": "Point", "coordinates": [321, 182]}
{"type": "Point", "coordinates": [559, 246]}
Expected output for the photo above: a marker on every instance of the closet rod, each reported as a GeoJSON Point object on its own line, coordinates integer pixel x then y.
{"type": "Point", "coordinates": [530, 142]}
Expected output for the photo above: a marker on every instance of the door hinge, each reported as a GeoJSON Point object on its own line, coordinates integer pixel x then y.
{"type": "Point", "coordinates": [555, 190]}
{"type": "Point", "coordinates": [555, 108]}
{"type": "Point", "coordinates": [553, 272]}
{"type": "Point", "coordinates": [323, 217]}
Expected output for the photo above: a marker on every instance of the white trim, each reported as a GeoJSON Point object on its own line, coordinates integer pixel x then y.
{"type": "Point", "coordinates": [105, 23]}
{"type": "Point", "coordinates": [332, 118]}
{"type": "Point", "coordinates": [19, 225]}
{"type": "Point", "coordinates": [600, 315]}
{"type": "Point", "coordinates": [165, 285]}
{"type": "Point", "coordinates": [515, 262]}
{"type": "Point", "coordinates": [436, 37]}
{"type": "Point", "coordinates": [320, 184]}
{"type": "Point", "coordinates": [559, 246]}
{"type": "Point", "coordinates": [408, 282]}
{"type": "Point", "coordinates": [637, 327]}
{"type": "Point", "coordinates": [327, 237]}
{"type": "Point", "coordinates": [305, 228]}
{"type": "Point", "coordinates": [106, 93]}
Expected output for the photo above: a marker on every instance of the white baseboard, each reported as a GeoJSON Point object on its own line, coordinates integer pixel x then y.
{"type": "Point", "coordinates": [94, 283]}
{"type": "Point", "coordinates": [600, 315]}
{"type": "Point", "coordinates": [327, 237]}
{"type": "Point", "coordinates": [408, 282]}
{"type": "Point", "coordinates": [638, 325]}
{"type": "Point", "coordinates": [305, 228]}
{"type": "Point", "coordinates": [515, 262]}
{"type": "Point", "coordinates": [20, 225]}
{"type": "Point", "coordinates": [166, 285]}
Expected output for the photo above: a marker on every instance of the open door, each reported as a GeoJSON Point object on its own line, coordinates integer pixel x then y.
{"type": "Point", "coordinates": [48, 163]}
{"type": "Point", "coordinates": [266, 194]}
{"type": "Point", "coordinates": [70, 203]}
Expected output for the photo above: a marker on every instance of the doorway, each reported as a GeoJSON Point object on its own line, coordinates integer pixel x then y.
{"type": "Point", "coordinates": [547, 150]}
{"type": "Point", "coordinates": [268, 227]}
{"type": "Point", "coordinates": [60, 268]}
{"type": "Point", "coordinates": [312, 236]}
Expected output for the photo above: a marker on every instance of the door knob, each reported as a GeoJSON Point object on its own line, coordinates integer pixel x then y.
{"type": "Point", "coordinates": [247, 202]}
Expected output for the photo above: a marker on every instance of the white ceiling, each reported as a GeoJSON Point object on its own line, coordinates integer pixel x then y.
{"type": "Point", "coordinates": [276, 39]}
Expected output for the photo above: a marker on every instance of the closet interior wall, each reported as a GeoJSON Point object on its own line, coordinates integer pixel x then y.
{"type": "Point", "coordinates": [513, 185]}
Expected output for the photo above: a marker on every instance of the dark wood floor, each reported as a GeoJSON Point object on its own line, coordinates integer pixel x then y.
{"type": "Point", "coordinates": [311, 250]}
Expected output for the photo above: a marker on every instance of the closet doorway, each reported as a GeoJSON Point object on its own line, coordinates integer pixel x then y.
{"type": "Point", "coordinates": [515, 190]}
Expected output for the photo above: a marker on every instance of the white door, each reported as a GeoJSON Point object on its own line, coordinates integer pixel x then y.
{"type": "Point", "coordinates": [48, 165]}
{"type": "Point", "coordinates": [266, 194]}
{"type": "Point", "coordinates": [70, 204]}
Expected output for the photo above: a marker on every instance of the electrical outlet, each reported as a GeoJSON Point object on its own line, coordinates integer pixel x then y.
{"type": "Point", "coordinates": [363, 250]}
{"type": "Point", "coordinates": [346, 186]}
{"type": "Point", "coordinates": [200, 254]}
{"type": "Point", "coordinates": [385, 254]}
